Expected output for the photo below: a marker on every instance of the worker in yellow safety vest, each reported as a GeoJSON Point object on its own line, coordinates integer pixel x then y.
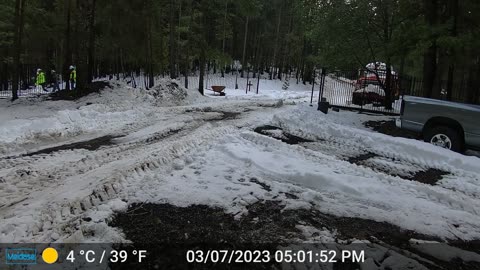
{"type": "Point", "coordinates": [40, 81]}
{"type": "Point", "coordinates": [73, 77]}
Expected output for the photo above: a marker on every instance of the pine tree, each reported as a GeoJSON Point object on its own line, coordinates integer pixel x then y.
{"type": "Point", "coordinates": [280, 37]}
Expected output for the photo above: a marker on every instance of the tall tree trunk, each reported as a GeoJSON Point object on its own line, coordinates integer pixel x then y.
{"type": "Point", "coordinates": [275, 49]}
{"type": "Point", "coordinates": [454, 5]}
{"type": "Point", "coordinates": [80, 60]}
{"type": "Point", "coordinates": [430, 56]}
{"type": "Point", "coordinates": [4, 77]}
{"type": "Point", "coordinates": [476, 97]}
{"type": "Point", "coordinates": [256, 56]}
{"type": "Point", "coordinates": [18, 36]}
{"type": "Point", "coordinates": [91, 43]}
{"type": "Point", "coordinates": [399, 76]}
{"type": "Point", "coordinates": [178, 66]}
{"type": "Point", "coordinates": [451, 70]}
{"type": "Point", "coordinates": [187, 52]}
{"type": "Point", "coordinates": [429, 70]}
{"type": "Point", "coordinates": [202, 71]}
{"type": "Point", "coordinates": [186, 75]}
{"type": "Point", "coordinates": [150, 66]}
{"type": "Point", "coordinates": [173, 74]}
{"type": "Point", "coordinates": [244, 64]}
{"type": "Point", "coordinates": [148, 8]}
{"type": "Point", "coordinates": [302, 62]}
{"type": "Point", "coordinates": [224, 37]}
{"type": "Point", "coordinates": [473, 83]}
{"type": "Point", "coordinates": [284, 55]}
{"type": "Point", "coordinates": [67, 49]}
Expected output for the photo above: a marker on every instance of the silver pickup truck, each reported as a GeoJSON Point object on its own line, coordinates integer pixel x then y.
{"type": "Point", "coordinates": [450, 125]}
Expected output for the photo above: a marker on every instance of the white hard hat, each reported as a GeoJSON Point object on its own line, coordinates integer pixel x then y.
{"type": "Point", "coordinates": [72, 67]}
{"type": "Point", "coordinates": [38, 70]}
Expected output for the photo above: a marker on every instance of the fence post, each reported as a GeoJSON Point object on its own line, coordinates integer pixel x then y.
{"type": "Point", "coordinates": [322, 102]}
{"type": "Point", "coordinates": [236, 80]}
{"type": "Point", "coordinates": [206, 81]}
{"type": "Point", "coordinates": [313, 85]}
{"type": "Point", "coordinates": [364, 89]}
{"type": "Point", "coordinates": [258, 80]}
{"type": "Point", "coordinates": [248, 80]}
{"type": "Point", "coordinates": [323, 73]}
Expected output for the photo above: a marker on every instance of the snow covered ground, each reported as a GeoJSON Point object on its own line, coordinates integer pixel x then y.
{"type": "Point", "coordinates": [170, 145]}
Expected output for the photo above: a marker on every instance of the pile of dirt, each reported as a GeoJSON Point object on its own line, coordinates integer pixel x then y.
{"type": "Point", "coordinates": [94, 87]}
{"type": "Point", "coordinates": [166, 93]}
{"type": "Point", "coordinates": [168, 231]}
{"type": "Point", "coordinates": [169, 224]}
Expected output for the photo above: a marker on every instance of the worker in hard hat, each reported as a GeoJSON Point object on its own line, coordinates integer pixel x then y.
{"type": "Point", "coordinates": [73, 77]}
{"type": "Point", "coordinates": [40, 81]}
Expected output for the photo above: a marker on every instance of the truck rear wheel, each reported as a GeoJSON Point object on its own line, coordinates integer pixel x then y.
{"type": "Point", "coordinates": [444, 137]}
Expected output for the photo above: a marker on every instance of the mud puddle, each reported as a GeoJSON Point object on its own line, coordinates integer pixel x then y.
{"type": "Point", "coordinates": [224, 115]}
{"type": "Point", "coordinates": [427, 176]}
{"type": "Point", "coordinates": [263, 185]}
{"type": "Point", "coordinates": [161, 136]}
{"type": "Point", "coordinates": [279, 134]}
{"type": "Point", "coordinates": [267, 225]}
{"type": "Point", "coordinates": [91, 145]}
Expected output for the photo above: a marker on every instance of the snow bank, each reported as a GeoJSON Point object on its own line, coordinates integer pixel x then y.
{"type": "Point", "coordinates": [166, 93]}
{"type": "Point", "coordinates": [447, 210]}
{"type": "Point", "coordinates": [31, 121]}
{"type": "Point", "coordinates": [307, 122]}
{"type": "Point", "coordinates": [64, 124]}
{"type": "Point", "coordinates": [343, 189]}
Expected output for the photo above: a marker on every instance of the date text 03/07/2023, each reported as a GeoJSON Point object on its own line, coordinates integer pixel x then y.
{"type": "Point", "coordinates": [279, 256]}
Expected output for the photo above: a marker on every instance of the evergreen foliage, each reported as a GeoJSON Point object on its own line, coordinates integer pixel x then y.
{"type": "Point", "coordinates": [435, 39]}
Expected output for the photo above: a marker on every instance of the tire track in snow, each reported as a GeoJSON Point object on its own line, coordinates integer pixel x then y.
{"type": "Point", "coordinates": [468, 181]}
{"type": "Point", "coordinates": [428, 194]}
{"type": "Point", "coordinates": [52, 169]}
{"type": "Point", "coordinates": [345, 149]}
{"type": "Point", "coordinates": [105, 173]}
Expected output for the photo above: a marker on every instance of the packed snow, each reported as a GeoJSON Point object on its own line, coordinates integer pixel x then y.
{"type": "Point", "coordinates": [172, 145]}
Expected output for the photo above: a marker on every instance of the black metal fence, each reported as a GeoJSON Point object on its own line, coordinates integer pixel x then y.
{"type": "Point", "coordinates": [27, 88]}
{"type": "Point", "coordinates": [32, 91]}
{"type": "Point", "coordinates": [364, 90]}
{"type": "Point", "coordinates": [231, 80]}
